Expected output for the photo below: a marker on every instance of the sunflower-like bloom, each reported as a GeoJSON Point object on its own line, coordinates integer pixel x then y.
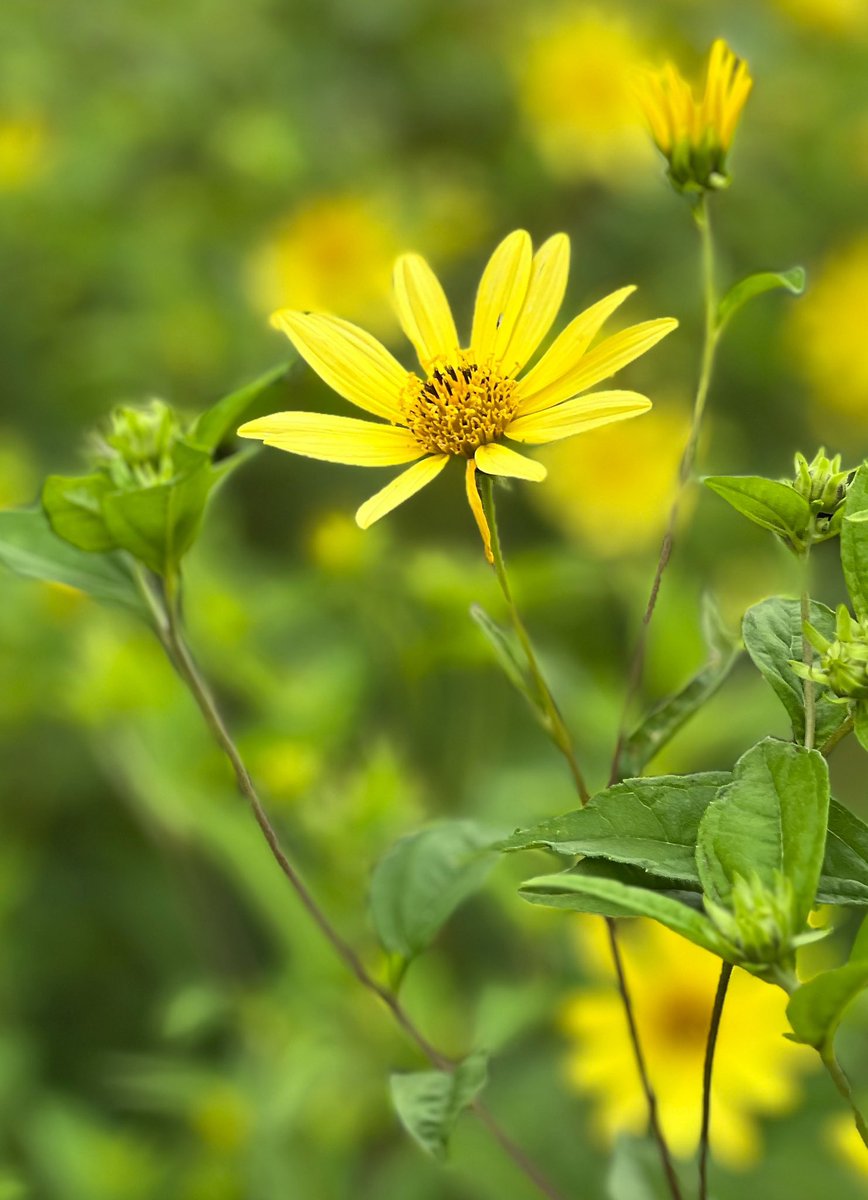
{"type": "Point", "coordinates": [466, 400]}
{"type": "Point", "coordinates": [694, 136]}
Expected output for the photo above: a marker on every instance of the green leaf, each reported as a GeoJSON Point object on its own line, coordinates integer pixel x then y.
{"type": "Point", "coordinates": [845, 866]}
{"type": "Point", "coordinates": [429, 1103]}
{"type": "Point", "coordinates": [662, 724]}
{"type": "Point", "coordinates": [769, 822]}
{"type": "Point", "coordinates": [634, 1172]}
{"type": "Point", "coordinates": [651, 823]}
{"type": "Point", "coordinates": [31, 548]}
{"type": "Point", "coordinates": [222, 419]}
{"type": "Point", "coordinates": [574, 891]}
{"type": "Point", "coordinates": [854, 541]}
{"type": "Point", "coordinates": [816, 1008]}
{"type": "Point", "coordinates": [740, 293]}
{"type": "Point", "coordinates": [73, 504]}
{"type": "Point", "coordinates": [767, 502]}
{"type": "Point", "coordinates": [860, 722]}
{"type": "Point", "coordinates": [420, 882]}
{"type": "Point", "coordinates": [506, 653]}
{"type": "Point", "coordinates": [772, 632]}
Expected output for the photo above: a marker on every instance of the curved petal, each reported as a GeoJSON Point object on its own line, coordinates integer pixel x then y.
{"type": "Point", "coordinates": [607, 358]}
{"type": "Point", "coordinates": [400, 489]}
{"type": "Point", "coordinates": [335, 439]}
{"type": "Point", "coordinates": [475, 501]}
{"type": "Point", "coordinates": [352, 362]}
{"type": "Point", "coordinates": [495, 459]}
{"type": "Point", "coordinates": [501, 296]}
{"type": "Point", "coordinates": [548, 282]}
{"type": "Point", "coordinates": [423, 310]}
{"type": "Point", "coordinates": [569, 346]}
{"type": "Point", "coordinates": [577, 416]}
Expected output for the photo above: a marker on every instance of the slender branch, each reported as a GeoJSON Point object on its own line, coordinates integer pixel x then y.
{"type": "Point", "coordinates": [168, 629]}
{"type": "Point", "coordinates": [554, 721]}
{"type": "Point", "coordinates": [808, 653]}
{"type": "Point", "coordinates": [707, 1071]}
{"type": "Point", "coordinates": [842, 1083]}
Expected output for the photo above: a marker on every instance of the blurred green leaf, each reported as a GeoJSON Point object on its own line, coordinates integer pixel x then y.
{"type": "Point", "coordinates": [854, 541]}
{"type": "Point", "coordinates": [816, 1008]}
{"type": "Point", "coordinates": [768, 503]}
{"type": "Point", "coordinates": [860, 722]}
{"type": "Point", "coordinates": [420, 882]}
{"type": "Point", "coordinates": [740, 293]}
{"type": "Point", "coordinates": [222, 419]}
{"type": "Point", "coordinates": [429, 1103]}
{"type": "Point", "coordinates": [506, 653]}
{"type": "Point", "coordinates": [772, 632]}
{"type": "Point", "coordinates": [634, 1172]}
{"type": "Point", "coordinates": [770, 822]}
{"type": "Point", "coordinates": [651, 823]}
{"type": "Point", "coordinates": [845, 866]}
{"type": "Point", "coordinates": [73, 504]}
{"type": "Point", "coordinates": [31, 548]}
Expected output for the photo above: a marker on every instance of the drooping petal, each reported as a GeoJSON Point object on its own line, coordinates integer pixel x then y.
{"type": "Point", "coordinates": [495, 459]}
{"type": "Point", "coordinates": [335, 439]}
{"type": "Point", "coordinates": [548, 282]}
{"type": "Point", "coordinates": [423, 309]}
{"type": "Point", "coordinates": [569, 346]}
{"type": "Point", "coordinates": [607, 358]}
{"type": "Point", "coordinates": [352, 362]}
{"type": "Point", "coordinates": [501, 296]}
{"type": "Point", "coordinates": [577, 416]}
{"type": "Point", "coordinates": [475, 501]}
{"type": "Point", "coordinates": [400, 489]}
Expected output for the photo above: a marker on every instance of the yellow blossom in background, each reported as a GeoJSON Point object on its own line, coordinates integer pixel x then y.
{"type": "Point", "coordinates": [829, 16]}
{"type": "Point", "coordinates": [613, 488]}
{"type": "Point", "coordinates": [694, 133]}
{"type": "Point", "coordinates": [23, 145]}
{"type": "Point", "coordinates": [827, 335]}
{"type": "Point", "coordinates": [673, 984]}
{"type": "Point", "coordinates": [470, 398]}
{"type": "Point", "coordinates": [337, 545]}
{"type": "Point", "coordinates": [575, 90]}
{"type": "Point", "coordinates": [844, 1139]}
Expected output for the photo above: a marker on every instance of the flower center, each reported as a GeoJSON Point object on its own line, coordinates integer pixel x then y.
{"type": "Point", "coordinates": [459, 407]}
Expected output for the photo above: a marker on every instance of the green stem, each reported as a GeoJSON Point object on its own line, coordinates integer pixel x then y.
{"type": "Point", "coordinates": [842, 1083]}
{"type": "Point", "coordinates": [707, 1072]}
{"type": "Point", "coordinates": [167, 625]}
{"type": "Point", "coordinates": [808, 654]}
{"type": "Point", "coordinates": [833, 739]}
{"type": "Point", "coordinates": [554, 722]}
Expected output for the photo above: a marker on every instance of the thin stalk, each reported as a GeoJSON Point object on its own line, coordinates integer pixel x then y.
{"type": "Point", "coordinates": [808, 654]}
{"type": "Point", "coordinates": [707, 1072]}
{"type": "Point", "coordinates": [554, 721]}
{"type": "Point", "coordinates": [842, 1083]}
{"type": "Point", "coordinates": [168, 628]}
{"type": "Point", "coordinates": [838, 736]}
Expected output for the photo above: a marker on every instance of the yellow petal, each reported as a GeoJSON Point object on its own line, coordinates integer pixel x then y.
{"type": "Point", "coordinates": [475, 501]}
{"type": "Point", "coordinates": [610, 356]}
{"type": "Point", "coordinates": [548, 282]}
{"type": "Point", "coordinates": [335, 439]}
{"type": "Point", "coordinates": [406, 485]}
{"type": "Point", "coordinates": [577, 416]}
{"type": "Point", "coordinates": [495, 459]}
{"type": "Point", "coordinates": [569, 346]}
{"type": "Point", "coordinates": [352, 362]}
{"type": "Point", "coordinates": [500, 297]}
{"type": "Point", "coordinates": [423, 309]}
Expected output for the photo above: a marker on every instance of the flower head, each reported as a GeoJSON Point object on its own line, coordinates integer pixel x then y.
{"type": "Point", "coordinates": [694, 135]}
{"type": "Point", "coordinates": [842, 666]}
{"type": "Point", "coordinates": [467, 398]}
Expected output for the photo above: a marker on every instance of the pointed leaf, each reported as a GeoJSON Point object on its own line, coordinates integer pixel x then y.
{"type": "Point", "coordinates": [217, 423]}
{"type": "Point", "coordinates": [429, 1103]}
{"type": "Point", "coordinates": [769, 503]}
{"type": "Point", "coordinates": [740, 293]}
{"type": "Point", "coordinates": [506, 653]}
{"type": "Point", "coordinates": [816, 1008]}
{"type": "Point", "coordinates": [73, 504]}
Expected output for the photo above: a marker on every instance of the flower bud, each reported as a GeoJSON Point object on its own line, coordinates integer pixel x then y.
{"type": "Point", "coordinates": [824, 485]}
{"type": "Point", "coordinates": [137, 450]}
{"type": "Point", "coordinates": [842, 665]}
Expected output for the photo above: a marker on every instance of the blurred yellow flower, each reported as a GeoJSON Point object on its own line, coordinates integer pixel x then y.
{"type": "Point", "coordinates": [575, 89]}
{"type": "Point", "coordinates": [333, 252]}
{"type": "Point", "coordinates": [469, 399]}
{"type": "Point", "coordinates": [827, 329]}
{"type": "Point", "coordinates": [337, 545]}
{"type": "Point", "coordinates": [829, 16]}
{"type": "Point", "coordinates": [613, 488]}
{"type": "Point", "coordinates": [843, 1136]}
{"type": "Point", "coordinates": [673, 984]}
{"type": "Point", "coordinates": [692, 134]}
{"type": "Point", "coordinates": [222, 1117]}
{"type": "Point", "coordinates": [22, 152]}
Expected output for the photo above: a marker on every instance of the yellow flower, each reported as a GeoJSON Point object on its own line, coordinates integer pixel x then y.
{"type": "Point", "coordinates": [830, 16]}
{"type": "Point", "coordinates": [673, 984]}
{"type": "Point", "coordinates": [843, 1137]}
{"type": "Point", "coordinates": [22, 152]}
{"type": "Point", "coordinates": [468, 399]}
{"type": "Point", "coordinates": [693, 135]}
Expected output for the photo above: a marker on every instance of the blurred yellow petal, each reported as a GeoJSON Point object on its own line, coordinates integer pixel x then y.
{"type": "Point", "coordinates": [548, 282]}
{"type": "Point", "coordinates": [407, 484]}
{"type": "Point", "coordinates": [495, 459]}
{"type": "Point", "coordinates": [500, 297]}
{"type": "Point", "coordinates": [335, 439]}
{"type": "Point", "coordinates": [348, 359]}
{"type": "Point", "coordinates": [475, 501]}
{"type": "Point", "coordinates": [569, 346]}
{"type": "Point", "coordinates": [423, 309]}
{"type": "Point", "coordinates": [608, 358]}
{"type": "Point", "coordinates": [577, 416]}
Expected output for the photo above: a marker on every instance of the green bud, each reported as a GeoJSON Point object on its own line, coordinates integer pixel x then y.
{"type": "Point", "coordinates": [824, 485]}
{"type": "Point", "coordinates": [138, 448]}
{"type": "Point", "coordinates": [842, 666]}
{"type": "Point", "coordinates": [760, 923]}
